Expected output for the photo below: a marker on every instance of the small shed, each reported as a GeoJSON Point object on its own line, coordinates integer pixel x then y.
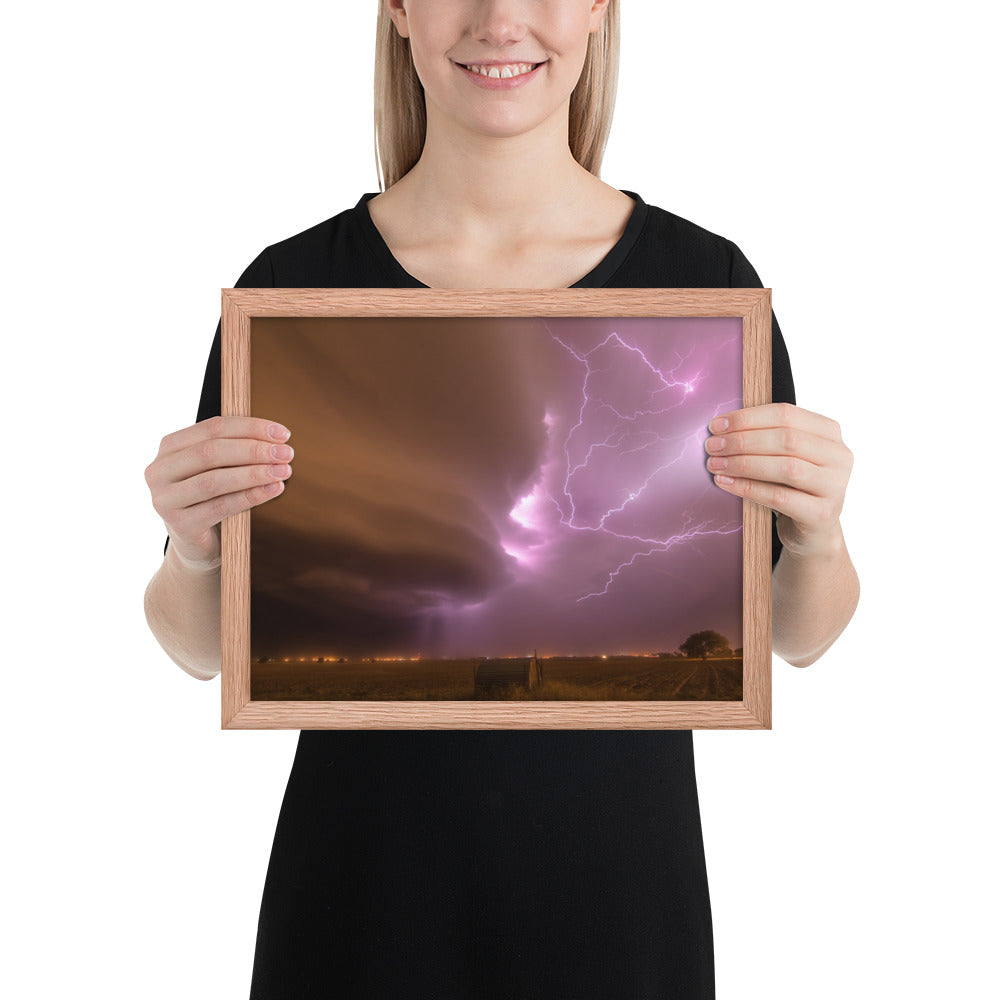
{"type": "Point", "coordinates": [492, 677]}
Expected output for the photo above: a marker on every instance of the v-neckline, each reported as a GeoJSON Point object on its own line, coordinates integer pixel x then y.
{"type": "Point", "coordinates": [595, 278]}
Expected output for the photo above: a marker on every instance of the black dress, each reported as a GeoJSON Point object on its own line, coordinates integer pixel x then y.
{"type": "Point", "coordinates": [482, 864]}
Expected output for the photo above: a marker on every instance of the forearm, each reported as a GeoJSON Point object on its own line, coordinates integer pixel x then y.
{"type": "Point", "coordinates": [183, 609]}
{"type": "Point", "coordinates": [813, 599]}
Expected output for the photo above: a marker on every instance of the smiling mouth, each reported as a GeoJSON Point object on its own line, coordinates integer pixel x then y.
{"type": "Point", "coordinates": [500, 71]}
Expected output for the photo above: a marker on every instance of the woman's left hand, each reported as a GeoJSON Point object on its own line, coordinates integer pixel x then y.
{"type": "Point", "coordinates": [790, 460]}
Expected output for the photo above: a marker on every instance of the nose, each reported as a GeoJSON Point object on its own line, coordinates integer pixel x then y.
{"type": "Point", "coordinates": [499, 22]}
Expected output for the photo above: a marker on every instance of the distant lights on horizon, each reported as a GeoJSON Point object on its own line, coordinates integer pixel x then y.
{"type": "Point", "coordinates": [331, 658]}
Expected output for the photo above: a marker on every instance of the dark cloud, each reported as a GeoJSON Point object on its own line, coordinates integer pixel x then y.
{"type": "Point", "coordinates": [461, 484]}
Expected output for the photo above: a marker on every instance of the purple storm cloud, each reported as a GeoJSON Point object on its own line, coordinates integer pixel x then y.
{"type": "Point", "coordinates": [487, 487]}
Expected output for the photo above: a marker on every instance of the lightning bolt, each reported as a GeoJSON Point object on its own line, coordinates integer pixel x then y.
{"type": "Point", "coordinates": [608, 429]}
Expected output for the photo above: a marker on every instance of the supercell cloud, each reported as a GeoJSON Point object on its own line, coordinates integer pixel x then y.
{"type": "Point", "coordinates": [468, 487]}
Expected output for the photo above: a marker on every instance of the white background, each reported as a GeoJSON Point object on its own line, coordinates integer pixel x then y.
{"type": "Point", "coordinates": [153, 150]}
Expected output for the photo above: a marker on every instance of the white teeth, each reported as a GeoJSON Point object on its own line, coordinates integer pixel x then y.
{"type": "Point", "coordinates": [502, 72]}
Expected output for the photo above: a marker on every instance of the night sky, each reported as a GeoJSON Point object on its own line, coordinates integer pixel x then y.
{"type": "Point", "coordinates": [488, 487]}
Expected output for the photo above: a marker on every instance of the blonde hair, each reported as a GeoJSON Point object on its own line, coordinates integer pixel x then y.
{"type": "Point", "coordinates": [401, 115]}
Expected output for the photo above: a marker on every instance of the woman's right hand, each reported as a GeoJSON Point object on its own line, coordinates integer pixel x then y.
{"type": "Point", "coordinates": [212, 469]}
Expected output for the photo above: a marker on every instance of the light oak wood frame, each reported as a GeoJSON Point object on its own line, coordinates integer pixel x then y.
{"type": "Point", "coordinates": [240, 306]}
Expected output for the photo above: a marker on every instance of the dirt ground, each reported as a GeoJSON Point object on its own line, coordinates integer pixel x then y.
{"type": "Point", "coordinates": [625, 678]}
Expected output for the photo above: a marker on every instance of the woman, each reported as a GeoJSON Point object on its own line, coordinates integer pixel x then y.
{"type": "Point", "coordinates": [507, 864]}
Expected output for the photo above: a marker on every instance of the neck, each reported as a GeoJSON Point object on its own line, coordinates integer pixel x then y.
{"type": "Point", "coordinates": [489, 188]}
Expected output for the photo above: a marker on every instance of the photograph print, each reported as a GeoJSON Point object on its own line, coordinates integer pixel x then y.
{"type": "Point", "coordinates": [500, 508]}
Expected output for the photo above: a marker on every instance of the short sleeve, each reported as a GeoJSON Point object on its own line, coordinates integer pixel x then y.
{"type": "Point", "coordinates": [743, 275]}
{"type": "Point", "coordinates": [257, 274]}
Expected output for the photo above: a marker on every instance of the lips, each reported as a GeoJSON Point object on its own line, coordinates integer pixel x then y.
{"type": "Point", "coordinates": [482, 78]}
{"type": "Point", "coordinates": [500, 70]}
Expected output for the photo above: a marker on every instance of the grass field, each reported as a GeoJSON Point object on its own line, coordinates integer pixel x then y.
{"type": "Point", "coordinates": [621, 678]}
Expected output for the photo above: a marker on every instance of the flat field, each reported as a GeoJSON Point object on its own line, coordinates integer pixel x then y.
{"type": "Point", "coordinates": [593, 678]}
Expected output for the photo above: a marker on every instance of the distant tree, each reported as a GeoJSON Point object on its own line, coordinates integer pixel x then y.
{"type": "Point", "coordinates": [704, 643]}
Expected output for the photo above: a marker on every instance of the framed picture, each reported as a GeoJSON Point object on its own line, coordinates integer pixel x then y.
{"type": "Point", "coordinates": [499, 514]}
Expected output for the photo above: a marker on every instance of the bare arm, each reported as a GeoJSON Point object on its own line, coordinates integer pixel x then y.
{"type": "Point", "coordinates": [794, 462]}
{"type": "Point", "coordinates": [183, 605]}
{"type": "Point", "coordinates": [814, 597]}
{"type": "Point", "coordinates": [201, 475]}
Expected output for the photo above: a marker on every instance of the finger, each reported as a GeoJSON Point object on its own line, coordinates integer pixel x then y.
{"type": "Point", "coordinates": [803, 508]}
{"type": "Point", "coordinates": [224, 427]}
{"type": "Point", "coordinates": [216, 483]}
{"type": "Point", "coordinates": [776, 415]}
{"type": "Point", "coordinates": [217, 453]}
{"type": "Point", "coordinates": [790, 441]}
{"type": "Point", "coordinates": [193, 522]}
{"type": "Point", "coordinates": [795, 472]}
